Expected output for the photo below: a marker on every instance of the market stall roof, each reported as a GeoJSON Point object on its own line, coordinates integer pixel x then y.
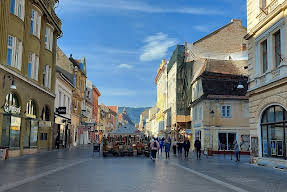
{"type": "Point", "coordinates": [127, 129]}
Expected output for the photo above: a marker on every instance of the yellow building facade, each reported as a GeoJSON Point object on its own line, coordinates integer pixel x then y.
{"type": "Point", "coordinates": [161, 104]}
{"type": "Point", "coordinates": [267, 68]}
{"type": "Point", "coordinates": [28, 40]}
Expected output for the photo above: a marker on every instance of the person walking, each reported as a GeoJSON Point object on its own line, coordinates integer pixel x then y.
{"type": "Point", "coordinates": [186, 146]}
{"type": "Point", "coordinates": [161, 145]}
{"type": "Point", "coordinates": [174, 144]}
{"type": "Point", "coordinates": [154, 147]}
{"type": "Point", "coordinates": [197, 146]}
{"type": "Point", "coordinates": [236, 150]}
{"type": "Point", "coordinates": [166, 148]}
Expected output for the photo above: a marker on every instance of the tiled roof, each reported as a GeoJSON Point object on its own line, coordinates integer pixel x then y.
{"type": "Point", "coordinates": [231, 67]}
{"type": "Point", "coordinates": [113, 108]}
{"type": "Point", "coordinates": [66, 74]}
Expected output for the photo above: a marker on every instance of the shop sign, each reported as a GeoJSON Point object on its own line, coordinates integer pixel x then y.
{"type": "Point", "coordinates": [12, 109]}
{"type": "Point", "coordinates": [61, 110]}
{"type": "Point", "coordinates": [45, 124]}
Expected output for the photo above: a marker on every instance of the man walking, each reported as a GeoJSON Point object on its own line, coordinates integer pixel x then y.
{"type": "Point", "coordinates": [236, 150]}
{"type": "Point", "coordinates": [154, 146]}
{"type": "Point", "coordinates": [186, 146]}
{"type": "Point", "coordinates": [197, 146]}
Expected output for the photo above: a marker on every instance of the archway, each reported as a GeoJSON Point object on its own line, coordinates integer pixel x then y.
{"type": "Point", "coordinates": [273, 132]}
{"type": "Point", "coordinates": [11, 124]}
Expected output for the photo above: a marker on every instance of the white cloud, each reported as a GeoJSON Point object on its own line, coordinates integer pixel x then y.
{"type": "Point", "coordinates": [125, 66]}
{"type": "Point", "coordinates": [130, 5]}
{"type": "Point", "coordinates": [156, 46]}
{"type": "Point", "coordinates": [202, 28]}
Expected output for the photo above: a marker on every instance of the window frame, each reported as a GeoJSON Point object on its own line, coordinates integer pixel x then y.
{"type": "Point", "coordinates": [264, 55]}
{"type": "Point", "coordinates": [49, 37]}
{"type": "Point", "coordinates": [224, 111]}
{"type": "Point", "coordinates": [35, 22]}
{"type": "Point", "coordinates": [33, 64]}
{"type": "Point", "coordinates": [15, 9]}
{"type": "Point", "coordinates": [277, 48]}
{"type": "Point", "coordinates": [14, 52]}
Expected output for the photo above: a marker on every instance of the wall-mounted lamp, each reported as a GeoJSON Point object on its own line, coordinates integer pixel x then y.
{"type": "Point", "coordinates": [13, 86]}
{"type": "Point", "coordinates": [211, 112]}
{"type": "Point", "coordinates": [240, 85]}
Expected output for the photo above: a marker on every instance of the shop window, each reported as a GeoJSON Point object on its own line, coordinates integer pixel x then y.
{"type": "Point", "coordinates": [273, 130]}
{"type": "Point", "coordinates": [226, 141]}
{"type": "Point", "coordinates": [44, 136]}
{"type": "Point", "coordinates": [31, 131]}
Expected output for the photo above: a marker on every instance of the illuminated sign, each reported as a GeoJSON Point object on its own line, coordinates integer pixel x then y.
{"type": "Point", "coordinates": [12, 109]}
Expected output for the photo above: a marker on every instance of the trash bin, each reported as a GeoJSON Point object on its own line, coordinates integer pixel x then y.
{"type": "Point", "coordinates": [3, 154]}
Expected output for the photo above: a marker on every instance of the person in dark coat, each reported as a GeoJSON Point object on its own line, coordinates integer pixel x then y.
{"type": "Point", "coordinates": [166, 148]}
{"type": "Point", "coordinates": [197, 146]}
{"type": "Point", "coordinates": [186, 146]}
{"type": "Point", "coordinates": [179, 147]}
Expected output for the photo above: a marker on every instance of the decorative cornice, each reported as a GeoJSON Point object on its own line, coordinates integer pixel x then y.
{"type": "Point", "coordinates": [26, 80]}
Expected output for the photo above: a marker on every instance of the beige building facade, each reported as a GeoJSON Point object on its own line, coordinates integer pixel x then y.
{"type": "Point", "coordinates": [28, 40]}
{"type": "Point", "coordinates": [267, 68]}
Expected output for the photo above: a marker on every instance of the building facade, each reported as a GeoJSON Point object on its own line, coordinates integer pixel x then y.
{"type": "Point", "coordinates": [219, 106]}
{"type": "Point", "coordinates": [78, 103]}
{"type": "Point", "coordinates": [28, 40]}
{"type": "Point", "coordinates": [267, 68]}
{"type": "Point", "coordinates": [161, 103]}
{"type": "Point", "coordinates": [63, 108]}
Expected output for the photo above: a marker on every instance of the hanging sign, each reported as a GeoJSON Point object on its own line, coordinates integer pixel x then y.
{"type": "Point", "coordinates": [61, 110]}
{"type": "Point", "coordinates": [12, 109]}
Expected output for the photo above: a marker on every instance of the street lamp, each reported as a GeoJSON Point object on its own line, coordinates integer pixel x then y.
{"type": "Point", "coordinates": [13, 86]}
{"type": "Point", "coordinates": [240, 85]}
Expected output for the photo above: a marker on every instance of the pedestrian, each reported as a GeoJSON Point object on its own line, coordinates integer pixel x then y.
{"type": "Point", "coordinates": [58, 142]}
{"type": "Point", "coordinates": [166, 148]}
{"type": "Point", "coordinates": [186, 146]}
{"type": "Point", "coordinates": [197, 146]}
{"type": "Point", "coordinates": [154, 147]}
{"type": "Point", "coordinates": [161, 145]}
{"type": "Point", "coordinates": [174, 144]}
{"type": "Point", "coordinates": [236, 150]}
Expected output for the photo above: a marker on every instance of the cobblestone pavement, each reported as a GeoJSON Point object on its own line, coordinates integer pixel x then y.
{"type": "Point", "coordinates": [78, 170]}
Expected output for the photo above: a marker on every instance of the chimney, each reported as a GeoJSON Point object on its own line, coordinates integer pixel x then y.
{"type": "Point", "coordinates": [243, 47]}
{"type": "Point", "coordinates": [237, 21]}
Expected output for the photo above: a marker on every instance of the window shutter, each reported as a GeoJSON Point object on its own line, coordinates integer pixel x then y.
{"type": "Point", "coordinates": [50, 77]}
{"type": "Point", "coordinates": [39, 25]}
{"type": "Point", "coordinates": [20, 55]}
{"type": "Point", "coordinates": [36, 68]}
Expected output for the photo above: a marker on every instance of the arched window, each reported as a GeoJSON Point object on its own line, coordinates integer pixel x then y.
{"type": "Point", "coordinates": [31, 110]}
{"type": "Point", "coordinates": [273, 131]}
{"type": "Point", "coordinates": [45, 113]}
{"type": "Point", "coordinates": [12, 100]}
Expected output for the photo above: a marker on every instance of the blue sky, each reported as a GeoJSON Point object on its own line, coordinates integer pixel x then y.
{"type": "Point", "coordinates": [124, 41]}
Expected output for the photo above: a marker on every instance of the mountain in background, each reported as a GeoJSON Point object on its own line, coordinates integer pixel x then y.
{"type": "Point", "coordinates": [133, 112]}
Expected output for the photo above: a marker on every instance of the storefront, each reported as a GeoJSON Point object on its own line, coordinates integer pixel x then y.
{"type": "Point", "coordinates": [273, 132]}
{"type": "Point", "coordinates": [31, 128]}
{"type": "Point", "coordinates": [11, 123]}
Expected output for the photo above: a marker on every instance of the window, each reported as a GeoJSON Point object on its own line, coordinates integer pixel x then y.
{"type": "Point", "coordinates": [33, 66]}
{"type": "Point", "coordinates": [226, 141]}
{"type": "Point", "coordinates": [64, 101]}
{"type": "Point", "coordinates": [45, 113]}
{"type": "Point", "coordinates": [273, 129]}
{"type": "Point", "coordinates": [49, 38]}
{"type": "Point", "coordinates": [44, 136]}
{"type": "Point", "coordinates": [14, 52]}
{"type": "Point", "coordinates": [68, 107]}
{"type": "Point", "coordinates": [35, 23]}
{"type": "Point", "coordinates": [200, 113]}
{"type": "Point", "coordinates": [60, 98]}
{"type": "Point", "coordinates": [75, 80]}
{"type": "Point", "coordinates": [263, 4]}
{"type": "Point", "coordinates": [264, 56]}
{"type": "Point", "coordinates": [195, 113]}
{"type": "Point", "coordinates": [226, 111]}
{"type": "Point", "coordinates": [277, 49]}
{"type": "Point", "coordinates": [17, 8]}
{"type": "Point", "coordinates": [47, 76]}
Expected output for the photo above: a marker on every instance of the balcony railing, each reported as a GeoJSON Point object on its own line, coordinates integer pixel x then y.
{"type": "Point", "coordinates": [267, 10]}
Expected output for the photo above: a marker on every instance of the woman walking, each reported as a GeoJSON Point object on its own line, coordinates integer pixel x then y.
{"type": "Point", "coordinates": [174, 143]}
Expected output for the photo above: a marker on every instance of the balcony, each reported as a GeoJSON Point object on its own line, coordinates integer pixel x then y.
{"type": "Point", "coordinates": [268, 77]}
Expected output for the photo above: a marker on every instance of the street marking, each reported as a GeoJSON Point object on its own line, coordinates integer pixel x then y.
{"type": "Point", "coordinates": [9, 186]}
{"type": "Point", "coordinates": [212, 179]}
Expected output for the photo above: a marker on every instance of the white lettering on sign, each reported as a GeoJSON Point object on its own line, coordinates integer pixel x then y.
{"type": "Point", "coordinates": [12, 109]}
